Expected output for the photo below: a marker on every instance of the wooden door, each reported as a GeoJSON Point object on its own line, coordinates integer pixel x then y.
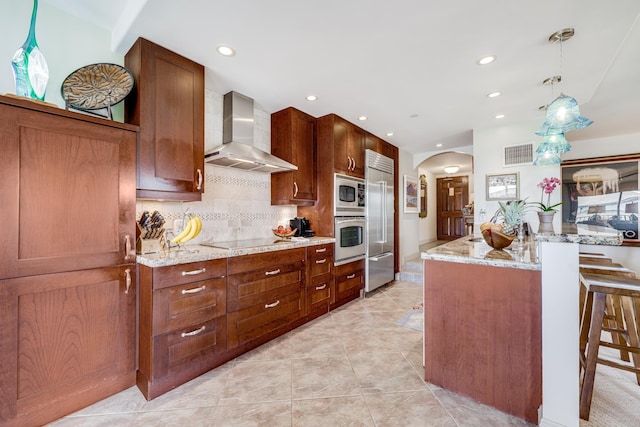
{"type": "Point", "coordinates": [452, 195]}
{"type": "Point", "coordinates": [342, 164]}
{"type": "Point", "coordinates": [67, 191]}
{"type": "Point", "coordinates": [66, 340]}
{"type": "Point", "coordinates": [169, 108]}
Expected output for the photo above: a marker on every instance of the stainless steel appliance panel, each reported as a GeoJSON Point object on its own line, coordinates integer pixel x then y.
{"type": "Point", "coordinates": [350, 234]}
{"type": "Point", "coordinates": [380, 211]}
{"type": "Point", "coordinates": [349, 198]}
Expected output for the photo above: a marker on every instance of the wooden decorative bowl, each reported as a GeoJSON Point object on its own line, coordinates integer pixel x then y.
{"type": "Point", "coordinates": [496, 239]}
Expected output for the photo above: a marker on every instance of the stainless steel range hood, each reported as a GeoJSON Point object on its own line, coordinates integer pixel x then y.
{"type": "Point", "coordinates": [237, 150]}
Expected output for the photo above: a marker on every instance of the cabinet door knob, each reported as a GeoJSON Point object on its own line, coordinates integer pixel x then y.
{"type": "Point", "coordinates": [272, 305]}
{"type": "Point", "coordinates": [127, 280]}
{"type": "Point", "coordinates": [199, 182]}
{"type": "Point", "coordinates": [295, 189]}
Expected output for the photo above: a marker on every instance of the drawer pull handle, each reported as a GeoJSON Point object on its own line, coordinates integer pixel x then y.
{"type": "Point", "coordinates": [192, 333]}
{"type": "Point", "coordinates": [127, 280]}
{"type": "Point", "coordinates": [321, 250]}
{"type": "Point", "coordinates": [351, 276]}
{"type": "Point", "coordinates": [321, 261]}
{"type": "Point", "coordinates": [319, 288]}
{"type": "Point", "coordinates": [194, 290]}
{"type": "Point", "coordinates": [194, 272]}
{"type": "Point", "coordinates": [271, 273]}
{"type": "Point", "coordinates": [272, 305]}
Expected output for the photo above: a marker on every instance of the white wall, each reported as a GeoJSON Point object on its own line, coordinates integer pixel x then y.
{"type": "Point", "coordinates": [427, 231]}
{"type": "Point", "coordinates": [67, 43]}
{"type": "Point", "coordinates": [487, 149]}
{"type": "Point", "coordinates": [408, 221]}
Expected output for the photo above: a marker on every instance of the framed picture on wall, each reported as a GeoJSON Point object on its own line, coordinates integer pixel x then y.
{"type": "Point", "coordinates": [600, 195]}
{"type": "Point", "coordinates": [411, 191]}
{"type": "Point", "coordinates": [503, 186]}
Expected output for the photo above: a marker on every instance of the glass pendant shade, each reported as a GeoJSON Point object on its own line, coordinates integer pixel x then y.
{"type": "Point", "coordinates": [563, 115]}
{"type": "Point", "coordinates": [556, 144]}
{"type": "Point", "coordinates": [547, 159]}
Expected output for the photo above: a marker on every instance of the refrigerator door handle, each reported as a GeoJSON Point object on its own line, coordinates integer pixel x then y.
{"type": "Point", "coordinates": [381, 256]}
{"type": "Point", "coordinates": [384, 212]}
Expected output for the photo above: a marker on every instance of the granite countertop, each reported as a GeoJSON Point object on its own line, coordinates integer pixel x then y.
{"type": "Point", "coordinates": [474, 250]}
{"type": "Point", "coordinates": [193, 253]}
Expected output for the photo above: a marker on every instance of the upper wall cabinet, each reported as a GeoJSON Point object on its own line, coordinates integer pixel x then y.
{"type": "Point", "coordinates": [348, 145]}
{"type": "Point", "coordinates": [293, 139]}
{"type": "Point", "coordinates": [168, 105]}
{"type": "Point", "coordinates": [380, 146]}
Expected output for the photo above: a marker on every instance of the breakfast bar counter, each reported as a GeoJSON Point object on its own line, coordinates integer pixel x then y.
{"type": "Point", "coordinates": [501, 326]}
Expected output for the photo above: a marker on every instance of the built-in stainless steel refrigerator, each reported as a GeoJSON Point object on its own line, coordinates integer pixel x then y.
{"type": "Point", "coordinates": [380, 213]}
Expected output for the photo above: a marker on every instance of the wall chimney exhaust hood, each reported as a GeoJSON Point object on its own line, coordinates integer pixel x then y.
{"type": "Point", "coordinates": [237, 150]}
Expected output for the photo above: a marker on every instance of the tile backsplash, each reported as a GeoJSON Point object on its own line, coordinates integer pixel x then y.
{"type": "Point", "coordinates": [236, 204]}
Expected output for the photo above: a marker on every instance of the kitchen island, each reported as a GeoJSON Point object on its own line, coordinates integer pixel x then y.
{"type": "Point", "coordinates": [501, 327]}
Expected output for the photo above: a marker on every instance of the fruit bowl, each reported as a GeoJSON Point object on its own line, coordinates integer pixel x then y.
{"type": "Point", "coordinates": [494, 236]}
{"type": "Point", "coordinates": [286, 234]}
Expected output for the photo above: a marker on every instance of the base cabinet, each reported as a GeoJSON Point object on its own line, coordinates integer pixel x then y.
{"type": "Point", "coordinates": [265, 295]}
{"type": "Point", "coordinates": [320, 287]}
{"type": "Point", "coordinates": [182, 323]}
{"type": "Point", "coordinates": [67, 341]}
{"type": "Point", "coordinates": [349, 282]}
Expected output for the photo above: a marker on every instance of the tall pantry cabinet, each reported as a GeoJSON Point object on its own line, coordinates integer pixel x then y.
{"type": "Point", "coordinates": [67, 276]}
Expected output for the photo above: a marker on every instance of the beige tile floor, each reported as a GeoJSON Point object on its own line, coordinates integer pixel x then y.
{"type": "Point", "coordinates": [351, 367]}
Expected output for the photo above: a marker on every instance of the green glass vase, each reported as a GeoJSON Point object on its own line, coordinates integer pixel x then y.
{"type": "Point", "coordinates": [30, 68]}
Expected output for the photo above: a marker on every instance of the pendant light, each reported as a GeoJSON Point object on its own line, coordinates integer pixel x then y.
{"type": "Point", "coordinates": [563, 113]}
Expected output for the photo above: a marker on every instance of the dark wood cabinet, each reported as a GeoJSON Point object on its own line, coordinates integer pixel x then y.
{"type": "Point", "coordinates": [320, 286]}
{"type": "Point", "coordinates": [264, 295]}
{"type": "Point", "coordinates": [349, 280]}
{"type": "Point", "coordinates": [67, 276]}
{"type": "Point", "coordinates": [293, 139]}
{"type": "Point", "coordinates": [65, 186]}
{"type": "Point", "coordinates": [348, 145]}
{"type": "Point", "coordinates": [182, 323]}
{"type": "Point", "coordinates": [168, 105]}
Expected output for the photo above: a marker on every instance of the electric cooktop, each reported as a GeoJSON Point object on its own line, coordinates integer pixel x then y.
{"type": "Point", "coordinates": [246, 243]}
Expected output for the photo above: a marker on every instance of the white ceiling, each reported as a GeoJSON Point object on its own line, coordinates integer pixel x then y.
{"type": "Point", "coordinates": [394, 60]}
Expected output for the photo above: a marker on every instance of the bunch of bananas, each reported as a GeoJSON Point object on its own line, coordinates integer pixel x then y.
{"type": "Point", "coordinates": [191, 230]}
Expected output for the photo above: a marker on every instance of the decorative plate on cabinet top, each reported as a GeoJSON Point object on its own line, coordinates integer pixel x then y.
{"type": "Point", "coordinates": [97, 86]}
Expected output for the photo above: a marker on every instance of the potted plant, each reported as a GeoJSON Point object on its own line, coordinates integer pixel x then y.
{"type": "Point", "coordinates": [547, 212]}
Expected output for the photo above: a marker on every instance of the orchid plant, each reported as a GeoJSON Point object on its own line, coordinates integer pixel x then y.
{"type": "Point", "coordinates": [548, 185]}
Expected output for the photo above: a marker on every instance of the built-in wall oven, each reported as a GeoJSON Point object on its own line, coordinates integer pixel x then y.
{"type": "Point", "coordinates": [350, 234]}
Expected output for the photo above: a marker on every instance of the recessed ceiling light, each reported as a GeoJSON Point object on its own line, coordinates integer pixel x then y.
{"type": "Point", "coordinates": [225, 50]}
{"type": "Point", "coordinates": [413, 116]}
{"type": "Point", "coordinates": [312, 98]}
{"type": "Point", "coordinates": [500, 116]}
{"type": "Point", "coordinates": [438, 145]}
{"type": "Point", "coordinates": [494, 94]}
{"type": "Point", "coordinates": [362, 118]}
{"type": "Point", "coordinates": [486, 60]}
{"type": "Point", "coordinates": [389, 133]}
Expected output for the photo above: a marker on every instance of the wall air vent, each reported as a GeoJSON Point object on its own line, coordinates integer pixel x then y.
{"type": "Point", "coordinates": [515, 155]}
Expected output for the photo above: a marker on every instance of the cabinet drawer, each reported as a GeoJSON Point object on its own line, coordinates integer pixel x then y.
{"type": "Point", "coordinates": [261, 286]}
{"type": "Point", "coordinates": [187, 273]}
{"type": "Point", "coordinates": [261, 318]}
{"type": "Point", "coordinates": [320, 259]}
{"type": "Point", "coordinates": [265, 260]}
{"type": "Point", "coordinates": [319, 293]}
{"type": "Point", "coordinates": [178, 350]}
{"type": "Point", "coordinates": [349, 280]}
{"type": "Point", "coordinates": [188, 304]}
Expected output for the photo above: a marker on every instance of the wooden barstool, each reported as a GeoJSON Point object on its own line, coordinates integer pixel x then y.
{"type": "Point", "coordinates": [598, 286]}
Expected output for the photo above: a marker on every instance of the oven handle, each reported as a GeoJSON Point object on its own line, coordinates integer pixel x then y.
{"type": "Point", "coordinates": [350, 219]}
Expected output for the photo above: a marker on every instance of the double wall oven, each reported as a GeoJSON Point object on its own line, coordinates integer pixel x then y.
{"type": "Point", "coordinates": [349, 219]}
